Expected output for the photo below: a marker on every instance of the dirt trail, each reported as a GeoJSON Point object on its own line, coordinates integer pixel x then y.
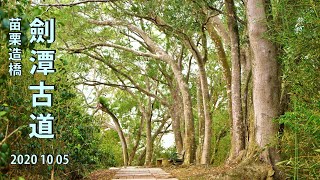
{"type": "Point", "coordinates": [142, 173]}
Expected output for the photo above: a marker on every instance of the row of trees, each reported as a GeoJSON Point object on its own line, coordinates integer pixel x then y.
{"type": "Point", "coordinates": [171, 44]}
{"type": "Point", "coordinates": [180, 62]}
{"type": "Point", "coordinates": [204, 70]}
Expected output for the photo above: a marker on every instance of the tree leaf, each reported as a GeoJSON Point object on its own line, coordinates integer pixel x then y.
{"type": "Point", "coordinates": [2, 113]}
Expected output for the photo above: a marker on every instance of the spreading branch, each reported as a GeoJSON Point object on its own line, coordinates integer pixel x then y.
{"type": "Point", "coordinates": [121, 73]}
{"type": "Point", "coordinates": [107, 44]}
{"type": "Point", "coordinates": [73, 3]}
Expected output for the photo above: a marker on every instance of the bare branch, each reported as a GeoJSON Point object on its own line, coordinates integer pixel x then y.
{"type": "Point", "coordinates": [134, 38]}
{"type": "Point", "coordinates": [187, 41]}
{"type": "Point", "coordinates": [95, 83]}
{"type": "Point", "coordinates": [138, 53]}
{"type": "Point", "coordinates": [166, 131]}
{"type": "Point", "coordinates": [224, 13]}
{"type": "Point", "coordinates": [164, 120]}
{"type": "Point", "coordinates": [73, 3]}
{"type": "Point", "coordinates": [7, 136]}
{"type": "Point", "coordinates": [86, 101]}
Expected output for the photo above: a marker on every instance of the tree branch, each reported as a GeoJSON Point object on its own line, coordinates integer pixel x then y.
{"type": "Point", "coordinates": [7, 136]}
{"type": "Point", "coordinates": [73, 3]}
{"type": "Point", "coordinates": [138, 53]}
{"type": "Point", "coordinates": [156, 51]}
{"type": "Point", "coordinates": [94, 83]}
{"type": "Point", "coordinates": [128, 77]}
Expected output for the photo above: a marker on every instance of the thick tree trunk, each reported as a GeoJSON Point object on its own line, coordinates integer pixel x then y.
{"type": "Point", "coordinates": [141, 159]}
{"type": "Point", "coordinates": [237, 131]}
{"type": "Point", "coordinates": [175, 112]}
{"type": "Point", "coordinates": [246, 95]}
{"type": "Point", "coordinates": [200, 122]}
{"type": "Point", "coordinates": [266, 81]}
{"type": "Point", "coordinates": [177, 132]}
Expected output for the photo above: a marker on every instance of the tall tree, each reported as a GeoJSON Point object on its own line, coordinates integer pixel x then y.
{"type": "Point", "coordinates": [266, 81]}
{"type": "Point", "coordinates": [237, 131]}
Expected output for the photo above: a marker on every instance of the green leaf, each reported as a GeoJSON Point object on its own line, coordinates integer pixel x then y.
{"type": "Point", "coordinates": [3, 156]}
{"type": "Point", "coordinates": [5, 23]}
{"type": "Point", "coordinates": [317, 150]}
{"type": "Point", "coordinates": [61, 23]}
{"type": "Point", "coordinates": [1, 14]}
{"type": "Point", "coordinates": [4, 147]}
{"type": "Point", "coordinates": [37, 11]}
{"type": "Point", "coordinates": [103, 101]}
{"type": "Point", "coordinates": [2, 113]}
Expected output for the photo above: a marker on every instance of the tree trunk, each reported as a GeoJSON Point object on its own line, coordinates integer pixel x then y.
{"type": "Point", "coordinates": [266, 81]}
{"type": "Point", "coordinates": [176, 116]}
{"type": "Point", "coordinates": [120, 133]}
{"type": "Point", "coordinates": [205, 156]}
{"type": "Point", "coordinates": [147, 113]}
{"type": "Point", "coordinates": [159, 53]}
{"type": "Point", "coordinates": [123, 145]}
{"type": "Point", "coordinates": [237, 131]}
{"type": "Point", "coordinates": [222, 60]}
{"type": "Point", "coordinates": [187, 112]}
{"type": "Point", "coordinates": [200, 122]}
{"type": "Point", "coordinates": [149, 147]}
{"type": "Point", "coordinates": [175, 110]}
{"type": "Point", "coordinates": [246, 95]}
{"type": "Point", "coordinates": [153, 137]}
{"type": "Point", "coordinates": [138, 138]}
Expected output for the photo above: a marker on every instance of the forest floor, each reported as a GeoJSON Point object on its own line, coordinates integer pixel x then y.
{"type": "Point", "coordinates": [230, 172]}
{"type": "Point", "coordinates": [196, 172]}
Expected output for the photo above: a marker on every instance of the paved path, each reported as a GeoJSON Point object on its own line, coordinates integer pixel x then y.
{"type": "Point", "coordinates": [140, 173]}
